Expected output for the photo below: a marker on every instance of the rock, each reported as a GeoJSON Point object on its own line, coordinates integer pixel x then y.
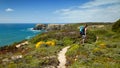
{"type": "Point", "coordinates": [17, 46]}
{"type": "Point", "coordinates": [49, 57]}
{"type": "Point", "coordinates": [40, 27]}
{"type": "Point", "coordinates": [5, 60]}
{"type": "Point", "coordinates": [97, 26]}
{"type": "Point", "coordinates": [48, 27]}
{"type": "Point", "coordinates": [16, 57]}
{"type": "Point", "coordinates": [55, 26]}
{"type": "Point", "coordinates": [50, 67]}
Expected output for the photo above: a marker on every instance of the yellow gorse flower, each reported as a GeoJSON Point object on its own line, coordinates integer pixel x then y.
{"type": "Point", "coordinates": [49, 43]}
{"type": "Point", "coordinates": [102, 45]}
{"type": "Point", "coordinates": [39, 43]}
{"type": "Point", "coordinates": [96, 49]}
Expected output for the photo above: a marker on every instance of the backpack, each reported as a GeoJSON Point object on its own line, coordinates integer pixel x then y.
{"type": "Point", "coordinates": [81, 28]}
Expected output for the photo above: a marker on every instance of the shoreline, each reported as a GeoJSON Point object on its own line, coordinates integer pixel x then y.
{"type": "Point", "coordinates": [13, 44]}
{"type": "Point", "coordinates": [26, 38]}
{"type": "Point", "coordinates": [22, 44]}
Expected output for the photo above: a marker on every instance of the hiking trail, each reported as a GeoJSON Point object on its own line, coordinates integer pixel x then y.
{"type": "Point", "coordinates": [62, 57]}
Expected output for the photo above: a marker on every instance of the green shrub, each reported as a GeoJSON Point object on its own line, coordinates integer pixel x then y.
{"type": "Point", "coordinates": [91, 37]}
{"type": "Point", "coordinates": [67, 41]}
{"type": "Point", "coordinates": [104, 65]}
{"type": "Point", "coordinates": [72, 52]}
{"type": "Point", "coordinates": [112, 45]}
{"type": "Point", "coordinates": [76, 65]}
{"type": "Point", "coordinates": [60, 43]}
{"type": "Point", "coordinates": [116, 26]}
{"type": "Point", "coordinates": [12, 65]}
{"type": "Point", "coordinates": [100, 31]}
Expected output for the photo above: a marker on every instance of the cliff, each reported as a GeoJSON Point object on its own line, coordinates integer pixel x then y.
{"type": "Point", "coordinates": [40, 27]}
{"type": "Point", "coordinates": [55, 27]}
{"type": "Point", "coordinates": [48, 27]}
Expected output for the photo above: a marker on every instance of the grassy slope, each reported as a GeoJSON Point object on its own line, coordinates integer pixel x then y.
{"type": "Point", "coordinates": [91, 55]}
{"type": "Point", "coordinates": [104, 53]}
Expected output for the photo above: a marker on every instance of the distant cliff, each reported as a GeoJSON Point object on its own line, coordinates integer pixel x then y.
{"type": "Point", "coordinates": [48, 27]}
{"type": "Point", "coordinates": [55, 26]}
{"type": "Point", "coordinates": [40, 27]}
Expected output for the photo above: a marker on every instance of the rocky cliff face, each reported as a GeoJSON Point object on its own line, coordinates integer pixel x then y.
{"type": "Point", "coordinates": [40, 27]}
{"type": "Point", "coordinates": [55, 26]}
{"type": "Point", "coordinates": [48, 27]}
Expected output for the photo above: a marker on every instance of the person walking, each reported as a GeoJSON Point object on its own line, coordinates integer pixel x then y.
{"type": "Point", "coordinates": [83, 30]}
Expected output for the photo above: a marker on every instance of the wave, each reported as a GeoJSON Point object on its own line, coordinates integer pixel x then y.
{"type": "Point", "coordinates": [28, 37]}
{"type": "Point", "coordinates": [31, 29]}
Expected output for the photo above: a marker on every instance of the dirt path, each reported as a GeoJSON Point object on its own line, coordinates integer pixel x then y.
{"type": "Point", "coordinates": [21, 44]}
{"type": "Point", "coordinates": [62, 57]}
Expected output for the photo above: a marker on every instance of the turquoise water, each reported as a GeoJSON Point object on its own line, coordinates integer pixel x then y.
{"type": "Point", "coordinates": [10, 33]}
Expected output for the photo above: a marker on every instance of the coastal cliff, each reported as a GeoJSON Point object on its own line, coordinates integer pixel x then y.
{"type": "Point", "coordinates": [48, 27]}
{"type": "Point", "coordinates": [55, 27]}
{"type": "Point", "coordinates": [41, 51]}
{"type": "Point", "coordinates": [40, 27]}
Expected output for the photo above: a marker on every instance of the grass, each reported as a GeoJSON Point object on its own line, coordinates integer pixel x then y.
{"type": "Point", "coordinates": [101, 52]}
{"type": "Point", "coordinates": [104, 53]}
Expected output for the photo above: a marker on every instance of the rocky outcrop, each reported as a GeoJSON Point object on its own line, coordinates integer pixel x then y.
{"type": "Point", "coordinates": [55, 26]}
{"type": "Point", "coordinates": [40, 27]}
{"type": "Point", "coordinates": [12, 58]}
{"type": "Point", "coordinates": [17, 57]}
{"type": "Point", "coordinates": [48, 27]}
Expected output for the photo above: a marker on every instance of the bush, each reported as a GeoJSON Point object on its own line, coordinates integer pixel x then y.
{"type": "Point", "coordinates": [67, 41]}
{"type": "Point", "coordinates": [51, 43]}
{"type": "Point", "coordinates": [39, 44]}
{"type": "Point", "coordinates": [48, 43]}
{"type": "Point", "coordinates": [73, 50]}
{"type": "Point", "coordinates": [12, 65]}
{"type": "Point", "coordinates": [91, 37]}
{"type": "Point", "coordinates": [101, 31]}
{"type": "Point", "coordinates": [71, 53]}
{"type": "Point", "coordinates": [116, 26]}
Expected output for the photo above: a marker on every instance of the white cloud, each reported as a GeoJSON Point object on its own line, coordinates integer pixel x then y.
{"type": "Point", "coordinates": [9, 10]}
{"type": "Point", "coordinates": [62, 10]}
{"type": "Point", "coordinates": [91, 13]}
{"type": "Point", "coordinates": [96, 3]}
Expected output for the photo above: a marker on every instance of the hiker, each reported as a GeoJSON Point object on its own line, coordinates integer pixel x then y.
{"type": "Point", "coordinates": [83, 33]}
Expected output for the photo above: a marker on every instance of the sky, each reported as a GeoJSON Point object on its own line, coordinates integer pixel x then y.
{"type": "Point", "coordinates": [59, 11]}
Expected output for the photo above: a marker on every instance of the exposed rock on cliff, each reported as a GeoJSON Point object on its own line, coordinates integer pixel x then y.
{"type": "Point", "coordinates": [40, 27]}
{"type": "Point", "coordinates": [48, 27]}
{"type": "Point", "coordinates": [55, 26]}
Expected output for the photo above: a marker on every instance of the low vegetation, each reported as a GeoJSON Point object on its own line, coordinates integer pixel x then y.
{"type": "Point", "coordinates": [104, 53]}
{"type": "Point", "coordinates": [101, 49]}
{"type": "Point", "coordinates": [116, 26]}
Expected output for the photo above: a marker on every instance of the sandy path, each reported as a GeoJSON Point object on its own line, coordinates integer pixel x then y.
{"type": "Point", "coordinates": [21, 44]}
{"type": "Point", "coordinates": [62, 58]}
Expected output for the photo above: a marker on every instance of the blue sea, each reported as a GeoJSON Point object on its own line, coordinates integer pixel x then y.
{"type": "Point", "coordinates": [10, 33]}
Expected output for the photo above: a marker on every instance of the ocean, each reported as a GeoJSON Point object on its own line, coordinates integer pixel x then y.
{"type": "Point", "coordinates": [10, 33]}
